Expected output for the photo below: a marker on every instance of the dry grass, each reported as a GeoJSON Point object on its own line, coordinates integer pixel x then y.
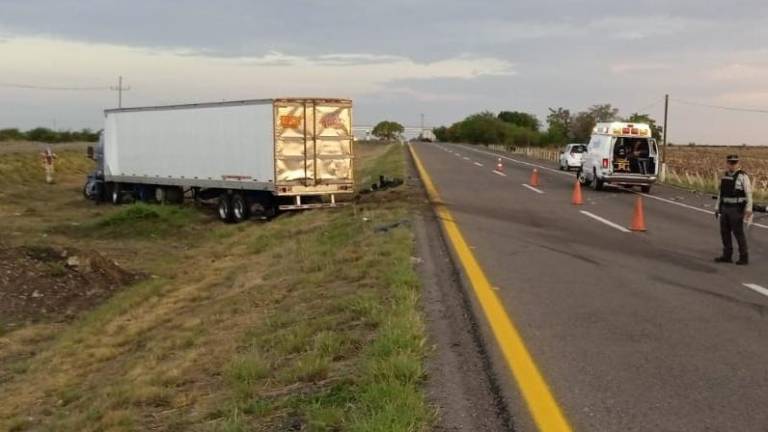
{"type": "Point", "coordinates": [701, 167]}
{"type": "Point", "coordinates": [309, 321]}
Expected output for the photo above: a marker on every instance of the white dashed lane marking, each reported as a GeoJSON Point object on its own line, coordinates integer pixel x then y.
{"type": "Point", "coordinates": [605, 221]}
{"type": "Point", "coordinates": [478, 164]}
{"type": "Point", "coordinates": [499, 173]}
{"type": "Point", "coordinates": [527, 186]}
{"type": "Point", "coordinates": [757, 288]}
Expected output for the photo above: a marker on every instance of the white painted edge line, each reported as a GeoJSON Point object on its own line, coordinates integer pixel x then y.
{"type": "Point", "coordinates": [605, 221]}
{"type": "Point", "coordinates": [757, 288]}
{"type": "Point", "coordinates": [533, 188]}
{"type": "Point", "coordinates": [466, 158]}
{"type": "Point", "coordinates": [499, 173]}
{"type": "Point", "coordinates": [478, 164]}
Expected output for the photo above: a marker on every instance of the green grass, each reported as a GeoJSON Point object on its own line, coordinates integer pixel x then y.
{"type": "Point", "coordinates": [348, 330]}
{"type": "Point", "coordinates": [311, 319]}
{"type": "Point", "coordinates": [139, 220]}
{"type": "Point", "coordinates": [27, 169]}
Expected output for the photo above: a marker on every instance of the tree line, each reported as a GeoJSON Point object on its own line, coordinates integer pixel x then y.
{"type": "Point", "coordinates": [41, 134]}
{"type": "Point", "coordinates": [516, 128]}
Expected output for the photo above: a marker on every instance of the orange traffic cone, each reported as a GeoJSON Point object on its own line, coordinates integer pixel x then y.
{"type": "Point", "coordinates": [499, 166]}
{"type": "Point", "coordinates": [577, 199]}
{"type": "Point", "coordinates": [534, 178]}
{"type": "Point", "coordinates": [638, 219]}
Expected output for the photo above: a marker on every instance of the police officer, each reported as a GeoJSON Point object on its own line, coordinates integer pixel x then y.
{"type": "Point", "coordinates": [734, 207]}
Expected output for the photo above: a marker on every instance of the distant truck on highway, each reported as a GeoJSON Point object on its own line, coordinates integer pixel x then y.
{"type": "Point", "coordinates": [621, 153]}
{"type": "Point", "coordinates": [253, 156]}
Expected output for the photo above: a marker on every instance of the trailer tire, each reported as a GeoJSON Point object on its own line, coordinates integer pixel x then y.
{"type": "Point", "coordinates": [240, 208]}
{"type": "Point", "coordinates": [224, 208]}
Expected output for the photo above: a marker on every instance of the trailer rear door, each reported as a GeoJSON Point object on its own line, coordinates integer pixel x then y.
{"type": "Point", "coordinates": [313, 142]}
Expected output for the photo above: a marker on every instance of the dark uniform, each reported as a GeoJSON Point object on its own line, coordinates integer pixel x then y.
{"type": "Point", "coordinates": [734, 201]}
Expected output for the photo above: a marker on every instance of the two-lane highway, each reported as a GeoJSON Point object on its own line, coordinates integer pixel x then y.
{"type": "Point", "coordinates": [631, 331]}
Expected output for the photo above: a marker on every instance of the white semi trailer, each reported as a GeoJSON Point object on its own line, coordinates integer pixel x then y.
{"type": "Point", "coordinates": [254, 156]}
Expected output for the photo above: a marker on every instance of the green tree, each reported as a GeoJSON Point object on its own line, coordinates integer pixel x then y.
{"type": "Point", "coordinates": [42, 134]}
{"type": "Point", "coordinates": [11, 134]}
{"type": "Point", "coordinates": [584, 122]}
{"type": "Point", "coordinates": [559, 125]}
{"type": "Point", "coordinates": [603, 113]}
{"type": "Point", "coordinates": [581, 126]}
{"type": "Point", "coordinates": [441, 134]}
{"type": "Point", "coordinates": [387, 130]}
{"type": "Point", "coordinates": [521, 119]}
{"type": "Point", "coordinates": [656, 130]}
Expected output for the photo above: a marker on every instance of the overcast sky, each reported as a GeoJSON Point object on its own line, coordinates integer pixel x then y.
{"type": "Point", "coordinates": [394, 58]}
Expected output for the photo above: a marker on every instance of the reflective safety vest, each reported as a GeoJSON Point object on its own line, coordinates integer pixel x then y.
{"type": "Point", "coordinates": [729, 194]}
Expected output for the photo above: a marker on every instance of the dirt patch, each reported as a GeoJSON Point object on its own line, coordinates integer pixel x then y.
{"type": "Point", "coordinates": [43, 283]}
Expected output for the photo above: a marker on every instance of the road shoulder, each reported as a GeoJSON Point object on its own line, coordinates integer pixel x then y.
{"type": "Point", "coordinates": [460, 381]}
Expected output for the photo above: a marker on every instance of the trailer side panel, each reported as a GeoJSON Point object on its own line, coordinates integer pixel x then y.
{"type": "Point", "coordinates": [231, 144]}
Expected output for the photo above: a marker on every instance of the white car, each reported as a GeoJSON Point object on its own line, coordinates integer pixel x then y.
{"type": "Point", "coordinates": [572, 156]}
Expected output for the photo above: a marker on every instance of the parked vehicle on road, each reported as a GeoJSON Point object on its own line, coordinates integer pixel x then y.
{"type": "Point", "coordinates": [572, 156]}
{"type": "Point", "coordinates": [253, 156]}
{"type": "Point", "coordinates": [622, 154]}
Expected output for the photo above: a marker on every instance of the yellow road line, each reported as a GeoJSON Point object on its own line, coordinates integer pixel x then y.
{"type": "Point", "coordinates": [545, 411]}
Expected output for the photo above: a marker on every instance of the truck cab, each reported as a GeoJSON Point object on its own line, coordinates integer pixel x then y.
{"type": "Point", "coordinates": [621, 153]}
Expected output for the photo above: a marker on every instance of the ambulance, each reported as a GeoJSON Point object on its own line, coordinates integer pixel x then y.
{"type": "Point", "coordinates": [620, 153]}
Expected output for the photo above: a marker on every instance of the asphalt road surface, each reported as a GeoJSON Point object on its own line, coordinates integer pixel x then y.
{"type": "Point", "coordinates": [631, 331]}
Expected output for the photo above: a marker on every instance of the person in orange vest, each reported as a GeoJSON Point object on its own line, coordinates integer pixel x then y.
{"type": "Point", "coordinates": [48, 157]}
{"type": "Point", "coordinates": [734, 208]}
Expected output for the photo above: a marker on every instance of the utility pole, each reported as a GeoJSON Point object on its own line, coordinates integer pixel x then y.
{"type": "Point", "coordinates": [664, 142]}
{"type": "Point", "coordinates": [119, 89]}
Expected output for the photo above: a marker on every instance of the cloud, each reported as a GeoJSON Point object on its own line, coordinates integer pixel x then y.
{"type": "Point", "coordinates": [739, 72]}
{"type": "Point", "coordinates": [755, 99]}
{"type": "Point", "coordinates": [643, 66]}
{"type": "Point", "coordinates": [632, 28]}
{"type": "Point", "coordinates": [173, 73]}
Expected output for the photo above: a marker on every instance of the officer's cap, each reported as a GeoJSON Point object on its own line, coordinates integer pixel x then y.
{"type": "Point", "coordinates": [732, 158]}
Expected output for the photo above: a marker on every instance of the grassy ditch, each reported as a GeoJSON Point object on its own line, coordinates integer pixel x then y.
{"type": "Point", "coordinates": [308, 322]}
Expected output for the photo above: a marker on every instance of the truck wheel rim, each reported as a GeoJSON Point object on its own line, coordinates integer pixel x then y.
{"type": "Point", "coordinates": [223, 210]}
{"type": "Point", "coordinates": [238, 209]}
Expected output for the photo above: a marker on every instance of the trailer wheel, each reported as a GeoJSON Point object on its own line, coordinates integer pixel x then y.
{"type": "Point", "coordinates": [224, 208]}
{"type": "Point", "coordinates": [240, 208]}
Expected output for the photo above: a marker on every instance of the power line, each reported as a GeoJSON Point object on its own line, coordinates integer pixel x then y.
{"type": "Point", "coordinates": [39, 87]}
{"type": "Point", "coordinates": [649, 106]}
{"type": "Point", "coordinates": [722, 107]}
